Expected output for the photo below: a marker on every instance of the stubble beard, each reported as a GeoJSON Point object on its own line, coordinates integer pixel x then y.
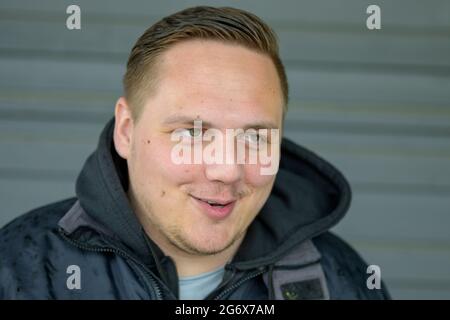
{"type": "Point", "coordinates": [174, 237]}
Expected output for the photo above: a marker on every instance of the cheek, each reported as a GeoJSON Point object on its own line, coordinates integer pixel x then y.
{"type": "Point", "coordinates": [155, 160]}
{"type": "Point", "coordinates": [256, 179]}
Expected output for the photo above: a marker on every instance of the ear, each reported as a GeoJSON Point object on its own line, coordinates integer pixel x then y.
{"type": "Point", "coordinates": [123, 128]}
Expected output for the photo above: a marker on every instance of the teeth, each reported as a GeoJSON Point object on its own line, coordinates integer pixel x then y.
{"type": "Point", "coordinates": [213, 203]}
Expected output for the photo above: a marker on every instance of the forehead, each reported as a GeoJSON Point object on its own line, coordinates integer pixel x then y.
{"type": "Point", "coordinates": [200, 78]}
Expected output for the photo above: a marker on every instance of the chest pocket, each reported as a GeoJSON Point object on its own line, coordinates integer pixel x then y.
{"type": "Point", "coordinates": [298, 276]}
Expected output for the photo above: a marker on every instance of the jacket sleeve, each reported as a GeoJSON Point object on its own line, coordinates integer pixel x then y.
{"type": "Point", "coordinates": [346, 271]}
{"type": "Point", "coordinates": [7, 286]}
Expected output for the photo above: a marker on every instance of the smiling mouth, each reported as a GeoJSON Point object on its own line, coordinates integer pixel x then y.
{"type": "Point", "coordinates": [215, 203]}
{"type": "Point", "coordinates": [216, 209]}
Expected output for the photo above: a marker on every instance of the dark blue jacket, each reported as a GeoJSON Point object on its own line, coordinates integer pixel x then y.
{"type": "Point", "coordinates": [287, 253]}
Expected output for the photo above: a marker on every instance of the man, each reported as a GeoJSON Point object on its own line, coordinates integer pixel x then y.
{"type": "Point", "coordinates": [145, 225]}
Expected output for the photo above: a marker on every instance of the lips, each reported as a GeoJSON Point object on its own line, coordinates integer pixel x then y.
{"type": "Point", "coordinates": [215, 208]}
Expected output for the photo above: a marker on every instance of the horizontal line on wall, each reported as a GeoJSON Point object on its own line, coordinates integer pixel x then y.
{"type": "Point", "coordinates": [65, 55]}
{"type": "Point", "coordinates": [369, 128]}
{"type": "Point", "coordinates": [370, 109]}
{"type": "Point", "coordinates": [37, 175]}
{"type": "Point", "coordinates": [99, 116]}
{"type": "Point", "coordinates": [372, 67]}
{"type": "Point", "coordinates": [380, 151]}
{"type": "Point", "coordinates": [319, 65]}
{"type": "Point", "coordinates": [400, 188]}
{"type": "Point", "coordinates": [57, 95]}
{"type": "Point", "coordinates": [398, 244]}
{"type": "Point", "coordinates": [141, 20]}
{"type": "Point", "coordinates": [418, 284]}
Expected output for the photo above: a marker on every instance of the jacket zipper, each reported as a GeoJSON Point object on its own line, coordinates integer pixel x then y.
{"type": "Point", "coordinates": [240, 282]}
{"type": "Point", "coordinates": [155, 285]}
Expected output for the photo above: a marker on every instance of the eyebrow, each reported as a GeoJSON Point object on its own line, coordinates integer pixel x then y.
{"type": "Point", "coordinates": [181, 119]}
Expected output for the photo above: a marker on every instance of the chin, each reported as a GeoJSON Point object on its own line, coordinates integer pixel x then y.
{"type": "Point", "coordinates": [207, 244]}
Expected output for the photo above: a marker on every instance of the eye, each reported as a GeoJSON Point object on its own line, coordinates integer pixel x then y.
{"type": "Point", "coordinates": [253, 139]}
{"type": "Point", "coordinates": [192, 132]}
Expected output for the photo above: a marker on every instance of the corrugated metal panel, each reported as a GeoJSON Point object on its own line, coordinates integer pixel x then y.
{"type": "Point", "coordinates": [374, 103]}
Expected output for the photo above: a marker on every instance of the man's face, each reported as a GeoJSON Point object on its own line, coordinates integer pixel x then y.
{"type": "Point", "coordinates": [227, 87]}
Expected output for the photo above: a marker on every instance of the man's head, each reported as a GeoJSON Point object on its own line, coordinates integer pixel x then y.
{"type": "Point", "coordinates": [217, 65]}
{"type": "Point", "coordinates": [227, 25]}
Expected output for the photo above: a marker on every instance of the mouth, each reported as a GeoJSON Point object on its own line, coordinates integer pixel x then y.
{"type": "Point", "coordinates": [215, 208]}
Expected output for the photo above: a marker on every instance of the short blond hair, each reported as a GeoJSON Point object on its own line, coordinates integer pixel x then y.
{"type": "Point", "coordinates": [228, 25]}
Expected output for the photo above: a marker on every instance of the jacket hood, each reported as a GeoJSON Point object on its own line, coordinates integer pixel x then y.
{"type": "Point", "coordinates": [308, 198]}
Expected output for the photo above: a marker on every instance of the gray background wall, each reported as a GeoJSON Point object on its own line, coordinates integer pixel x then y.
{"type": "Point", "coordinates": [374, 103]}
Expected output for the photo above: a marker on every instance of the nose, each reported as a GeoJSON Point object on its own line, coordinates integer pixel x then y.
{"type": "Point", "coordinates": [226, 173]}
{"type": "Point", "coordinates": [225, 168]}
